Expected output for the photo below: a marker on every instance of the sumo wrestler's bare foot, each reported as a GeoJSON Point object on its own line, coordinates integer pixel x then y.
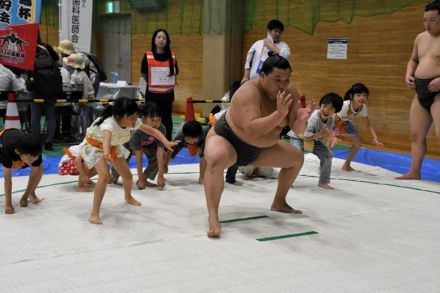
{"type": "Point", "coordinates": [130, 200]}
{"type": "Point", "coordinates": [284, 208]}
{"type": "Point", "coordinates": [215, 229]}
{"type": "Point", "coordinates": [326, 186]}
{"type": "Point", "coordinates": [409, 176]}
{"type": "Point", "coordinates": [94, 219]}
{"type": "Point", "coordinates": [9, 210]}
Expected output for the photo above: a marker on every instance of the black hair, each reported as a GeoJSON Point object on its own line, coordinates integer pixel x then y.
{"type": "Point", "coordinates": [357, 88]}
{"type": "Point", "coordinates": [233, 88]}
{"type": "Point", "coordinates": [192, 128]}
{"type": "Point", "coordinates": [29, 144]}
{"type": "Point", "coordinates": [275, 23]}
{"type": "Point", "coordinates": [150, 110]}
{"type": "Point", "coordinates": [122, 106]}
{"type": "Point", "coordinates": [434, 5]}
{"type": "Point", "coordinates": [334, 99]}
{"type": "Point", "coordinates": [275, 61]}
{"type": "Point", "coordinates": [166, 48]}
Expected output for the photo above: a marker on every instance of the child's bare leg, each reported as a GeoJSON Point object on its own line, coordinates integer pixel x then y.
{"type": "Point", "coordinates": [103, 176]}
{"type": "Point", "coordinates": [9, 209]}
{"type": "Point", "coordinates": [353, 150]}
{"type": "Point", "coordinates": [84, 172]}
{"type": "Point", "coordinates": [202, 166]}
{"type": "Point", "coordinates": [90, 174]}
{"type": "Point", "coordinates": [84, 176]}
{"type": "Point", "coordinates": [34, 180]}
{"type": "Point", "coordinates": [121, 166]}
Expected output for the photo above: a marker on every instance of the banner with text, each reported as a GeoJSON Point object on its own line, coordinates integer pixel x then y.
{"type": "Point", "coordinates": [18, 44]}
{"type": "Point", "coordinates": [19, 12]}
{"type": "Point", "coordinates": [76, 23]}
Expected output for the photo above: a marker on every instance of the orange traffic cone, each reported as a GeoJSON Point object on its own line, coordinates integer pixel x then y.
{"type": "Point", "coordinates": [189, 115]}
{"type": "Point", "coordinates": [12, 119]}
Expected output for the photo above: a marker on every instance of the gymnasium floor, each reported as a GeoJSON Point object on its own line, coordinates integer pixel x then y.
{"type": "Point", "coordinates": [371, 234]}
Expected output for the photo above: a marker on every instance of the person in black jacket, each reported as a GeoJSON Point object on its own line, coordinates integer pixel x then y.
{"type": "Point", "coordinates": [45, 83]}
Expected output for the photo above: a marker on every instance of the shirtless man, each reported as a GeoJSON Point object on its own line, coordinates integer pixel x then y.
{"type": "Point", "coordinates": [423, 74]}
{"type": "Point", "coordinates": [249, 133]}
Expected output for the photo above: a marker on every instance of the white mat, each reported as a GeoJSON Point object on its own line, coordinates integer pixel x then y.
{"type": "Point", "coordinates": [374, 234]}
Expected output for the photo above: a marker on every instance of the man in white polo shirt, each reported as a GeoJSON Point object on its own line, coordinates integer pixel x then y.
{"type": "Point", "coordinates": [257, 54]}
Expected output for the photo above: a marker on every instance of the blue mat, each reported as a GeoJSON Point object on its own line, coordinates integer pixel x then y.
{"type": "Point", "coordinates": [396, 162]}
{"type": "Point", "coordinates": [50, 163]}
{"type": "Point", "coordinates": [391, 161]}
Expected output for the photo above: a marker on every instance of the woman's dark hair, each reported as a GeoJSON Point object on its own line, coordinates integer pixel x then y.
{"type": "Point", "coordinates": [29, 144]}
{"type": "Point", "coordinates": [334, 99]}
{"type": "Point", "coordinates": [122, 107]}
{"type": "Point", "coordinates": [150, 110]}
{"type": "Point", "coordinates": [275, 61]}
{"type": "Point", "coordinates": [357, 88]}
{"type": "Point", "coordinates": [166, 48]}
{"type": "Point", "coordinates": [192, 128]}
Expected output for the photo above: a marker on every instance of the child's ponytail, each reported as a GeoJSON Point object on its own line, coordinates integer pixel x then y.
{"type": "Point", "coordinates": [357, 88]}
{"type": "Point", "coordinates": [122, 107]}
{"type": "Point", "coordinates": [108, 112]}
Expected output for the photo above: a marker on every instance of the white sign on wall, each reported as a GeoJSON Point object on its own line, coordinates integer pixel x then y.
{"type": "Point", "coordinates": [76, 23]}
{"type": "Point", "coordinates": [337, 48]}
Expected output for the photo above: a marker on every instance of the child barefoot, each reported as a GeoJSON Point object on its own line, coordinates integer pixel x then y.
{"type": "Point", "coordinates": [73, 164]}
{"type": "Point", "coordinates": [319, 128]}
{"type": "Point", "coordinates": [146, 144]}
{"type": "Point", "coordinates": [354, 104]}
{"type": "Point", "coordinates": [142, 143]}
{"type": "Point", "coordinates": [104, 143]}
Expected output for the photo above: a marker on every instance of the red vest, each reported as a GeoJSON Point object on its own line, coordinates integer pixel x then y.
{"type": "Point", "coordinates": [159, 80]}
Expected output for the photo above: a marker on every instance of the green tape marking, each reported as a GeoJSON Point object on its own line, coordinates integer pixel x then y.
{"type": "Point", "coordinates": [244, 219]}
{"type": "Point", "coordinates": [287, 236]}
{"type": "Point", "coordinates": [42, 186]}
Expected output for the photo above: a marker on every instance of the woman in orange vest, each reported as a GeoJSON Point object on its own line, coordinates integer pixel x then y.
{"type": "Point", "coordinates": [159, 69]}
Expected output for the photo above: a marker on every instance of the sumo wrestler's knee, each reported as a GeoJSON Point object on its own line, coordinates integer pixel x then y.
{"type": "Point", "coordinates": [296, 159]}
